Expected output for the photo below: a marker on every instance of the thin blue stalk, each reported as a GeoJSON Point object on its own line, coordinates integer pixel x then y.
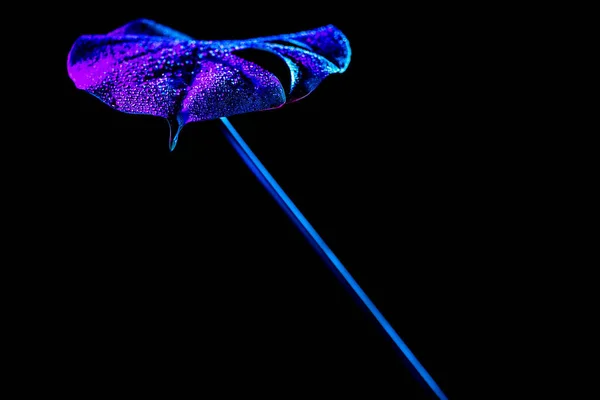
{"type": "Point", "coordinates": [319, 245]}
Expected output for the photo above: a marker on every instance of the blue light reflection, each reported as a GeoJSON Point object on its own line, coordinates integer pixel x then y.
{"type": "Point", "coordinates": [319, 245]}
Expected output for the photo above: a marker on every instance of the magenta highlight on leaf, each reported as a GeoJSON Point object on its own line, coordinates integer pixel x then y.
{"type": "Point", "coordinates": [147, 68]}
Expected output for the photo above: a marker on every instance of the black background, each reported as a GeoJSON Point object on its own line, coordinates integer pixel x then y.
{"type": "Point", "coordinates": [176, 271]}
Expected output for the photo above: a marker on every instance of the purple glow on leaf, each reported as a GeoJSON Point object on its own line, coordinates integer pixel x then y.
{"type": "Point", "coordinates": [147, 68]}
